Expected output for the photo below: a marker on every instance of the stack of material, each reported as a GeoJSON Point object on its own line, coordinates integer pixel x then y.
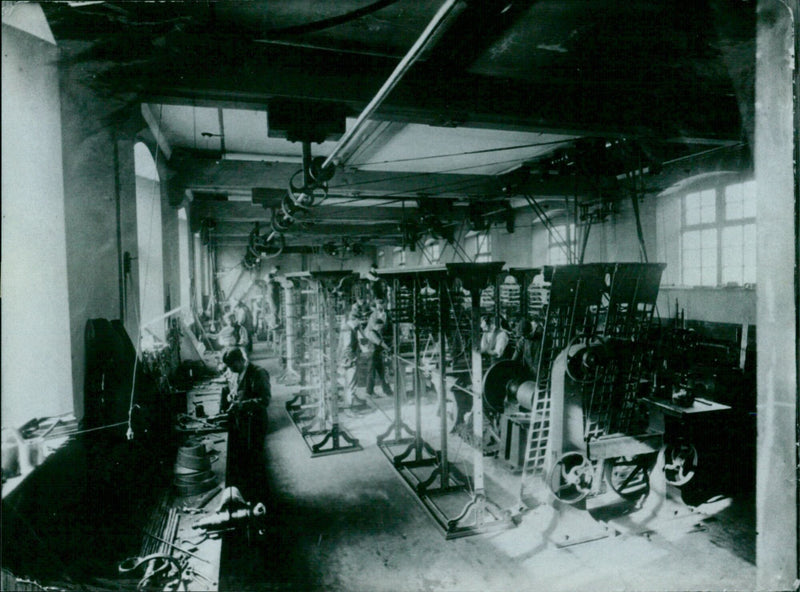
{"type": "Point", "coordinates": [193, 474]}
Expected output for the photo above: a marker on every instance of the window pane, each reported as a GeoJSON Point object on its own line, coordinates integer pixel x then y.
{"type": "Point", "coordinates": [708, 212]}
{"type": "Point", "coordinates": [692, 204]}
{"type": "Point", "coordinates": [691, 240]}
{"type": "Point", "coordinates": [733, 206]}
{"type": "Point", "coordinates": [709, 239]}
{"type": "Point", "coordinates": [731, 275]}
{"type": "Point", "coordinates": [709, 275]}
{"type": "Point", "coordinates": [691, 276]}
{"type": "Point", "coordinates": [732, 237]}
{"type": "Point", "coordinates": [749, 232]}
{"type": "Point", "coordinates": [749, 199]}
{"type": "Point", "coordinates": [740, 201]}
{"type": "Point", "coordinates": [749, 272]}
{"type": "Point", "coordinates": [557, 256]}
{"type": "Point", "coordinates": [749, 258]}
{"type": "Point", "coordinates": [732, 257]}
{"type": "Point", "coordinates": [708, 258]}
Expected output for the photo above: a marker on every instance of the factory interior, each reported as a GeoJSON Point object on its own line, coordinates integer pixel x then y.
{"type": "Point", "coordinates": [400, 295]}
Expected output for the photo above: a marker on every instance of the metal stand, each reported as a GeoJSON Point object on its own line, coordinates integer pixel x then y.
{"type": "Point", "coordinates": [323, 435]}
{"type": "Point", "coordinates": [484, 514]}
{"type": "Point", "coordinates": [290, 375]}
{"type": "Point", "coordinates": [400, 314]}
{"type": "Point", "coordinates": [444, 485]}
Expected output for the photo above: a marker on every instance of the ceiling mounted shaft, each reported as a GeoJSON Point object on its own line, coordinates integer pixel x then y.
{"type": "Point", "coordinates": [435, 28]}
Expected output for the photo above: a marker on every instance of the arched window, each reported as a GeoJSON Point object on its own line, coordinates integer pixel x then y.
{"type": "Point", "coordinates": [150, 291]}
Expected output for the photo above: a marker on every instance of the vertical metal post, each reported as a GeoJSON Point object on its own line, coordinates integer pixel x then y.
{"type": "Point", "coordinates": [289, 321]}
{"type": "Point", "coordinates": [398, 367]}
{"type": "Point", "coordinates": [498, 312]}
{"type": "Point", "coordinates": [333, 362]}
{"type": "Point", "coordinates": [323, 338]}
{"type": "Point", "coordinates": [308, 181]}
{"type": "Point", "coordinates": [415, 370]}
{"type": "Point", "coordinates": [443, 315]}
{"type": "Point", "coordinates": [477, 403]}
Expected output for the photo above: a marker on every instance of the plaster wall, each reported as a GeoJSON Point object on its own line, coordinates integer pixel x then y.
{"type": "Point", "coordinates": [92, 184]}
{"type": "Point", "coordinates": [34, 274]}
{"type": "Point", "coordinates": [776, 145]}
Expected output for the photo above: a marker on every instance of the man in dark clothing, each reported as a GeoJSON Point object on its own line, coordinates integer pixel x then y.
{"type": "Point", "coordinates": [373, 346]}
{"type": "Point", "coordinates": [528, 345]}
{"type": "Point", "coordinates": [248, 419]}
{"type": "Point", "coordinates": [241, 336]}
{"type": "Point", "coordinates": [348, 358]}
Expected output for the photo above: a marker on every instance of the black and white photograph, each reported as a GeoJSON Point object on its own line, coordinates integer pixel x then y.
{"type": "Point", "coordinates": [400, 296]}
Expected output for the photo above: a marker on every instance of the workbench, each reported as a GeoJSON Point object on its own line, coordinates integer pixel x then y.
{"type": "Point", "coordinates": [694, 435]}
{"type": "Point", "coordinates": [204, 561]}
{"type": "Point", "coordinates": [699, 406]}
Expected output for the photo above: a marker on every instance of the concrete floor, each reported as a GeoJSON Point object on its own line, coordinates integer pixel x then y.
{"type": "Point", "coordinates": [347, 522]}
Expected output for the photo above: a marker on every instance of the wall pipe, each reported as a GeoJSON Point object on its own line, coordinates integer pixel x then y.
{"type": "Point", "coordinates": [434, 28]}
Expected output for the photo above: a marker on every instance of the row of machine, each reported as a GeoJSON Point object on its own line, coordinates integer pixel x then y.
{"type": "Point", "coordinates": [584, 413]}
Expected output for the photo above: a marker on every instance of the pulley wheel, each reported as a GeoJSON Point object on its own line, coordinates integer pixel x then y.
{"type": "Point", "coordinates": [318, 173]}
{"type": "Point", "coordinates": [500, 381]}
{"type": "Point", "coordinates": [680, 463]}
{"type": "Point", "coordinates": [570, 478]}
{"type": "Point", "coordinates": [628, 477]}
{"type": "Point", "coordinates": [280, 223]}
{"type": "Point", "coordinates": [583, 361]}
{"type": "Point", "coordinates": [306, 195]}
{"type": "Point", "coordinates": [291, 209]}
{"type": "Point", "coordinates": [526, 395]}
{"type": "Point", "coordinates": [273, 247]}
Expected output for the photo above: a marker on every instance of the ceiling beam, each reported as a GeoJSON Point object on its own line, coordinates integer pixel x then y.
{"type": "Point", "coordinates": [242, 230]}
{"type": "Point", "coordinates": [155, 129]}
{"type": "Point", "coordinates": [570, 105]}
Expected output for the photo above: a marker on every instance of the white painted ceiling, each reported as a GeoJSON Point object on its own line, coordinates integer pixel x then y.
{"type": "Point", "coordinates": [392, 147]}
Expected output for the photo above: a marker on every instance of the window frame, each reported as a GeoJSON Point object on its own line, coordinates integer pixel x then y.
{"type": "Point", "coordinates": [432, 246]}
{"type": "Point", "coordinates": [562, 247]}
{"type": "Point", "coordinates": [402, 256]}
{"type": "Point", "coordinates": [719, 225]}
{"type": "Point", "coordinates": [483, 239]}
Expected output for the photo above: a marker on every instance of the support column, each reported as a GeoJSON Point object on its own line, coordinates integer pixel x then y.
{"type": "Point", "coordinates": [775, 150]}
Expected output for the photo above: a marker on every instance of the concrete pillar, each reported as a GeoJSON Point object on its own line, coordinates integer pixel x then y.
{"type": "Point", "coordinates": [776, 481]}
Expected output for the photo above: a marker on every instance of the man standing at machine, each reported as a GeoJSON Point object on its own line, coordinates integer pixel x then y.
{"type": "Point", "coordinates": [495, 343]}
{"type": "Point", "coordinates": [528, 343]}
{"type": "Point", "coordinates": [373, 346]}
{"type": "Point", "coordinates": [248, 419]}
{"type": "Point", "coordinates": [348, 358]}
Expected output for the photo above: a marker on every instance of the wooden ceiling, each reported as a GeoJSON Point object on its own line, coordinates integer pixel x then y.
{"type": "Point", "coordinates": [548, 98]}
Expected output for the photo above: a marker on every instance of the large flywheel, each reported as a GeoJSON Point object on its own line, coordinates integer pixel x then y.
{"type": "Point", "coordinates": [570, 478]}
{"type": "Point", "coordinates": [628, 477]}
{"type": "Point", "coordinates": [680, 463]}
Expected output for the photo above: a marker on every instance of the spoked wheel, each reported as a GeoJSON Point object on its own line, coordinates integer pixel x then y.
{"type": "Point", "coordinates": [680, 463]}
{"type": "Point", "coordinates": [628, 477]}
{"type": "Point", "coordinates": [570, 478]}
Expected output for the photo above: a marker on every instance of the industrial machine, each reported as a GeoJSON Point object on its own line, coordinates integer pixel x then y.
{"type": "Point", "coordinates": [589, 424]}
{"type": "Point", "coordinates": [315, 409]}
{"type": "Point", "coordinates": [436, 314]}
